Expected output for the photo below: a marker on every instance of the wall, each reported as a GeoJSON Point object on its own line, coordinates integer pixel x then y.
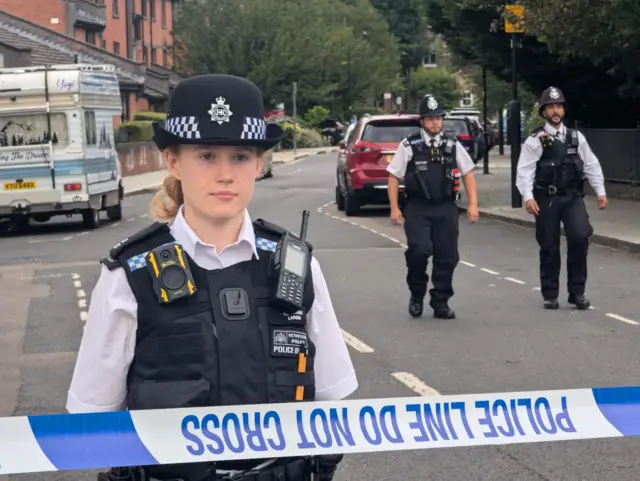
{"type": "Point", "coordinates": [139, 158]}
{"type": "Point", "coordinates": [38, 11]}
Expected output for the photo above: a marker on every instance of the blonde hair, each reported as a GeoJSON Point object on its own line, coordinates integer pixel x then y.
{"type": "Point", "coordinates": [165, 204]}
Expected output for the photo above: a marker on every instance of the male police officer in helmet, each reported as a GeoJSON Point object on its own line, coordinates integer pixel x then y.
{"type": "Point", "coordinates": [551, 170]}
{"type": "Point", "coordinates": [432, 164]}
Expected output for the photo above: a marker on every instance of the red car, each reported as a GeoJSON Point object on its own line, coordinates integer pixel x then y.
{"type": "Point", "coordinates": [361, 174]}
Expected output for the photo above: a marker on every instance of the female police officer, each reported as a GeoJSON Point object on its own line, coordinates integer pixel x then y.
{"type": "Point", "coordinates": [182, 314]}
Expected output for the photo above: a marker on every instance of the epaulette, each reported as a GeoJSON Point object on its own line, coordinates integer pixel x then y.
{"type": "Point", "coordinates": [277, 231]}
{"type": "Point", "coordinates": [111, 261]}
{"type": "Point", "coordinates": [539, 132]}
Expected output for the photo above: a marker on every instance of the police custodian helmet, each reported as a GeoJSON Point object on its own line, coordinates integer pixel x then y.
{"type": "Point", "coordinates": [216, 109]}
{"type": "Point", "coordinates": [429, 107]}
{"type": "Point", "coordinates": [551, 95]}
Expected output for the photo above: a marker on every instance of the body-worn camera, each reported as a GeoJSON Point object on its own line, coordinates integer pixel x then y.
{"type": "Point", "coordinates": [290, 263]}
{"type": "Point", "coordinates": [170, 273]}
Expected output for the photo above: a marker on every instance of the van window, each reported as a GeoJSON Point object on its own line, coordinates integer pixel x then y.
{"type": "Point", "coordinates": [31, 129]}
{"type": "Point", "coordinates": [457, 126]}
{"type": "Point", "coordinates": [90, 128]}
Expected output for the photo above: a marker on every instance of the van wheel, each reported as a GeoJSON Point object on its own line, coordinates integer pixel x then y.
{"type": "Point", "coordinates": [115, 212]}
{"type": "Point", "coordinates": [351, 204]}
{"type": "Point", "coordinates": [339, 198]}
{"type": "Point", "coordinates": [90, 218]}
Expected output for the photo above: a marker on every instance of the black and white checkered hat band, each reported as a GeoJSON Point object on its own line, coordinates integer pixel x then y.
{"type": "Point", "coordinates": [254, 129]}
{"type": "Point", "coordinates": [185, 127]}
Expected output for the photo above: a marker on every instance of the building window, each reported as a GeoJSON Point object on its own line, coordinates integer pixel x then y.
{"type": "Point", "coordinates": [104, 44]}
{"type": "Point", "coordinates": [467, 99]}
{"type": "Point", "coordinates": [163, 13]}
{"type": "Point", "coordinates": [153, 55]}
{"type": "Point", "coordinates": [144, 8]}
{"type": "Point", "coordinates": [165, 58]}
{"type": "Point", "coordinates": [90, 37]}
{"type": "Point", "coordinates": [116, 47]}
{"type": "Point", "coordinates": [137, 28]}
{"type": "Point", "coordinates": [144, 54]}
{"type": "Point", "coordinates": [152, 10]}
{"type": "Point", "coordinates": [2, 60]}
{"type": "Point", "coordinates": [430, 60]}
{"type": "Point", "coordinates": [114, 8]}
{"type": "Point", "coordinates": [90, 128]}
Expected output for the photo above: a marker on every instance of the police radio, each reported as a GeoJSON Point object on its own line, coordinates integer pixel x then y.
{"type": "Point", "coordinates": [289, 272]}
{"type": "Point", "coordinates": [171, 276]}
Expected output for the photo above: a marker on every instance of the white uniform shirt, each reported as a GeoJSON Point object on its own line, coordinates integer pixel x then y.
{"type": "Point", "coordinates": [107, 347]}
{"type": "Point", "coordinates": [532, 150]}
{"type": "Point", "coordinates": [398, 165]}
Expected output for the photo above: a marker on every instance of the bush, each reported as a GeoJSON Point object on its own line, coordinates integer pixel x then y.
{"type": "Point", "coordinates": [316, 115]}
{"type": "Point", "coordinates": [134, 131]}
{"type": "Point", "coordinates": [305, 138]}
{"type": "Point", "coordinates": [151, 116]}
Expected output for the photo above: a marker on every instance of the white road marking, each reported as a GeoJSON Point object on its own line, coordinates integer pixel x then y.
{"type": "Point", "coordinates": [467, 263]}
{"type": "Point", "coordinates": [536, 289]}
{"type": "Point", "coordinates": [415, 384]}
{"type": "Point", "coordinates": [115, 225]}
{"type": "Point", "coordinates": [68, 238]}
{"type": "Point", "coordinates": [356, 343]}
{"type": "Point", "coordinates": [622, 319]}
{"type": "Point", "coordinates": [488, 271]}
{"type": "Point", "coordinates": [82, 302]}
{"type": "Point", "coordinates": [511, 279]}
{"type": "Point", "coordinates": [130, 220]}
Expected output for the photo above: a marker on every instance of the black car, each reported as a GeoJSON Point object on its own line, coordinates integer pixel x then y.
{"type": "Point", "coordinates": [467, 135]}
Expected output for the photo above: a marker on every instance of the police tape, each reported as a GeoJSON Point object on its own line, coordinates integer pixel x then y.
{"type": "Point", "coordinates": [58, 442]}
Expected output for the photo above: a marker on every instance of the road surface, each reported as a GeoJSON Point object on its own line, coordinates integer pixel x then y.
{"type": "Point", "coordinates": [502, 340]}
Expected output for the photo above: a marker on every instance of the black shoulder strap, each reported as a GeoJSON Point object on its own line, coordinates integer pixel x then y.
{"type": "Point", "coordinates": [112, 262]}
{"type": "Point", "coordinates": [572, 137]}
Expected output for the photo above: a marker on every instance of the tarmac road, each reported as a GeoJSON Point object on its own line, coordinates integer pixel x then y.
{"type": "Point", "coordinates": [502, 340]}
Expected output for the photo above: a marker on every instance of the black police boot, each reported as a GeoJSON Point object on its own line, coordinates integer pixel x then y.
{"type": "Point", "coordinates": [579, 301]}
{"type": "Point", "coordinates": [551, 304]}
{"type": "Point", "coordinates": [442, 311]}
{"type": "Point", "coordinates": [415, 306]}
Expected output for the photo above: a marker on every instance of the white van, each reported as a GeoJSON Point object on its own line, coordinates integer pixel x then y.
{"type": "Point", "coordinates": [57, 149]}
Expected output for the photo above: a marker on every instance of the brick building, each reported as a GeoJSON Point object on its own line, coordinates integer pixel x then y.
{"type": "Point", "coordinates": [134, 35]}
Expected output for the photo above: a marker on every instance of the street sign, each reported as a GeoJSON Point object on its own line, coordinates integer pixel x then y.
{"type": "Point", "coordinates": [514, 19]}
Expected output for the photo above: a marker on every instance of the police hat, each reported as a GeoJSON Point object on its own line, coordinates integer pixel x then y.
{"type": "Point", "coordinates": [551, 95]}
{"type": "Point", "coordinates": [429, 107]}
{"type": "Point", "coordinates": [216, 109]}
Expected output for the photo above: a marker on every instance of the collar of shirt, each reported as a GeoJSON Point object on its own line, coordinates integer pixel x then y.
{"type": "Point", "coordinates": [553, 131]}
{"type": "Point", "coordinates": [206, 255]}
{"type": "Point", "coordinates": [427, 138]}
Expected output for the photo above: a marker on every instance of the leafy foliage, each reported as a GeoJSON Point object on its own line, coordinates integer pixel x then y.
{"type": "Point", "coordinates": [437, 82]}
{"type": "Point", "coordinates": [593, 85]}
{"type": "Point", "coordinates": [344, 56]}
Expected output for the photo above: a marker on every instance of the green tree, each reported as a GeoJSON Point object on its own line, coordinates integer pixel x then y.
{"type": "Point", "coordinates": [343, 56]}
{"type": "Point", "coordinates": [474, 33]}
{"type": "Point", "coordinates": [435, 81]}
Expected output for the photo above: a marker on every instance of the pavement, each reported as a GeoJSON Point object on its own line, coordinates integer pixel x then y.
{"type": "Point", "coordinates": [502, 339]}
{"type": "Point", "coordinates": [616, 226]}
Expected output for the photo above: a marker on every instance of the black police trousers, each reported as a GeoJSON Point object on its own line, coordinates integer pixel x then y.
{"type": "Point", "coordinates": [431, 230]}
{"type": "Point", "coordinates": [570, 210]}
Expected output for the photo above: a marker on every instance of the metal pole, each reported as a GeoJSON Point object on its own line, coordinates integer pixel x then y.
{"type": "Point", "coordinates": [485, 169]}
{"type": "Point", "coordinates": [515, 128]}
{"type": "Point", "coordinates": [501, 131]}
{"type": "Point", "coordinates": [295, 121]}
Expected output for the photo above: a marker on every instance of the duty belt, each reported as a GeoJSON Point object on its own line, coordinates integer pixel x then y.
{"type": "Point", "coordinates": [271, 470]}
